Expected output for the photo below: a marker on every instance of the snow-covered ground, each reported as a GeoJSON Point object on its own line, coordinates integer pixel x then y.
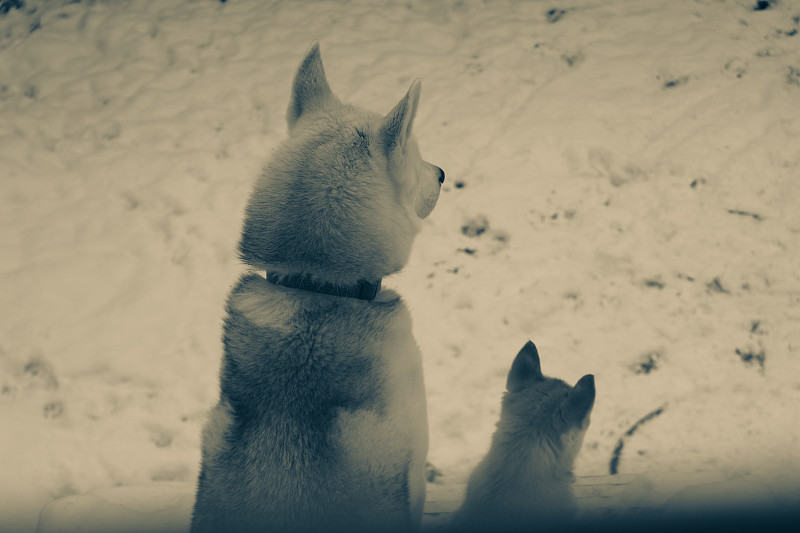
{"type": "Point", "coordinates": [623, 187]}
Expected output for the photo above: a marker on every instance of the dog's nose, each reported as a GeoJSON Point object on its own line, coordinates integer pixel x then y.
{"type": "Point", "coordinates": [441, 176]}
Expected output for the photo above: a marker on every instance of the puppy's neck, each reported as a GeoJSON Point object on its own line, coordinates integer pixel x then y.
{"type": "Point", "coordinates": [534, 459]}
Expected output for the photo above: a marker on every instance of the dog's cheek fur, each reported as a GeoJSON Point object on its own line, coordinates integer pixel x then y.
{"type": "Point", "coordinates": [394, 212]}
{"type": "Point", "coordinates": [417, 181]}
{"type": "Point", "coordinates": [426, 201]}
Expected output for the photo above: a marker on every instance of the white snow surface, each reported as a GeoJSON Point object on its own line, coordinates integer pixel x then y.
{"type": "Point", "coordinates": [623, 188]}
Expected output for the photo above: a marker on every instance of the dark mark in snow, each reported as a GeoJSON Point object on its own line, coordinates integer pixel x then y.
{"type": "Point", "coordinates": [676, 82]}
{"type": "Point", "coordinates": [554, 15]}
{"type": "Point", "coordinates": [53, 409]}
{"type": "Point", "coordinates": [475, 227]}
{"type": "Point", "coordinates": [572, 60]}
{"type": "Point", "coordinates": [745, 214]}
{"type": "Point", "coordinates": [6, 5]}
{"type": "Point", "coordinates": [432, 473]}
{"type": "Point", "coordinates": [613, 466]}
{"type": "Point", "coordinates": [751, 357]}
{"type": "Point", "coordinates": [647, 363]}
{"type": "Point", "coordinates": [716, 286]}
{"type": "Point", "coordinates": [793, 76]}
{"type": "Point", "coordinates": [762, 5]}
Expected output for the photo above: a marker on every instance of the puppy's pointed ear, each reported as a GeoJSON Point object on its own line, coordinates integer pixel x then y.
{"type": "Point", "coordinates": [310, 89]}
{"type": "Point", "coordinates": [525, 369]}
{"type": "Point", "coordinates": [579, 401]}
{"type": "Point", "coordinates": [396, 127]}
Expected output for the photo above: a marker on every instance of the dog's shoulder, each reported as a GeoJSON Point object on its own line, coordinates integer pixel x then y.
{"type": "Point", "coordinates": [310, 348]}
{"type": "Point", "coordinates": [253, 303]}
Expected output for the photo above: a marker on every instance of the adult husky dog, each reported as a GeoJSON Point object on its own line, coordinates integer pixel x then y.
{"type": "Point", "coordinates": [321, 421]}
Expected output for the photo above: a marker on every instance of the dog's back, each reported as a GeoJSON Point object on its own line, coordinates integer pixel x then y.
{"type": "Point", "coordinates": [314, 429]}
{"type": "Point", "coordinates": [321, 421]}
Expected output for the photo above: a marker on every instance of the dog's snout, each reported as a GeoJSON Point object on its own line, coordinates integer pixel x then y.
{"type": "Point", "coordinates": [441, 176]}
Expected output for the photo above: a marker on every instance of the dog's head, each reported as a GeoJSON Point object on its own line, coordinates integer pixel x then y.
{"type": "Point", "coordinates": [343, 197]}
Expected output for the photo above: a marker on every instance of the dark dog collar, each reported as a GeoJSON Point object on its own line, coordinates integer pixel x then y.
{"type": "Point", "coordinates": [363, 290]}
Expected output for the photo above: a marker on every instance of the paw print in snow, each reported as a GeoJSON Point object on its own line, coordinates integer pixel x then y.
{"type": "Point", "coordinates": [7, 5]}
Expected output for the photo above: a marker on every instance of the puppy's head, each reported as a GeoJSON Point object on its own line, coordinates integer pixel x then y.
{"type": "Point", "coordinates": [343, 197]}
{"type": "Point", "coordinates": [547, 410]}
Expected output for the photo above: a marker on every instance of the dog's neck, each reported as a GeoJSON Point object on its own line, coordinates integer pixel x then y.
{"type": "Point", "coordinates": [363, 290]}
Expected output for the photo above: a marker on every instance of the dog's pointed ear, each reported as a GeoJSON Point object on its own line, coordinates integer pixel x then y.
{"type": "Point", "coordinates": [579, 401]}
{"type": "Point", "coordinates": [525, 369]}
{"type": "Point", "coordinates": [396, 126]}
{"type": "Point", "coordinates": [310, 89]}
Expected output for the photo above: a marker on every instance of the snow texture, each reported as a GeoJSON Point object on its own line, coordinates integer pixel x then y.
{"type": "Point", "coordinates": [623, 183]}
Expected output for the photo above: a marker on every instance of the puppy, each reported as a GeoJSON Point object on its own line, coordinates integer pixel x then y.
{"type": "Point", "coordinates": [525, 480]}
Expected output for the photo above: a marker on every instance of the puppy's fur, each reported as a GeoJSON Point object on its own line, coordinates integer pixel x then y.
{"type": "Point", "coordinates": [321, 422]}
{"type": "Point", "coordinates": [525, 480]}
